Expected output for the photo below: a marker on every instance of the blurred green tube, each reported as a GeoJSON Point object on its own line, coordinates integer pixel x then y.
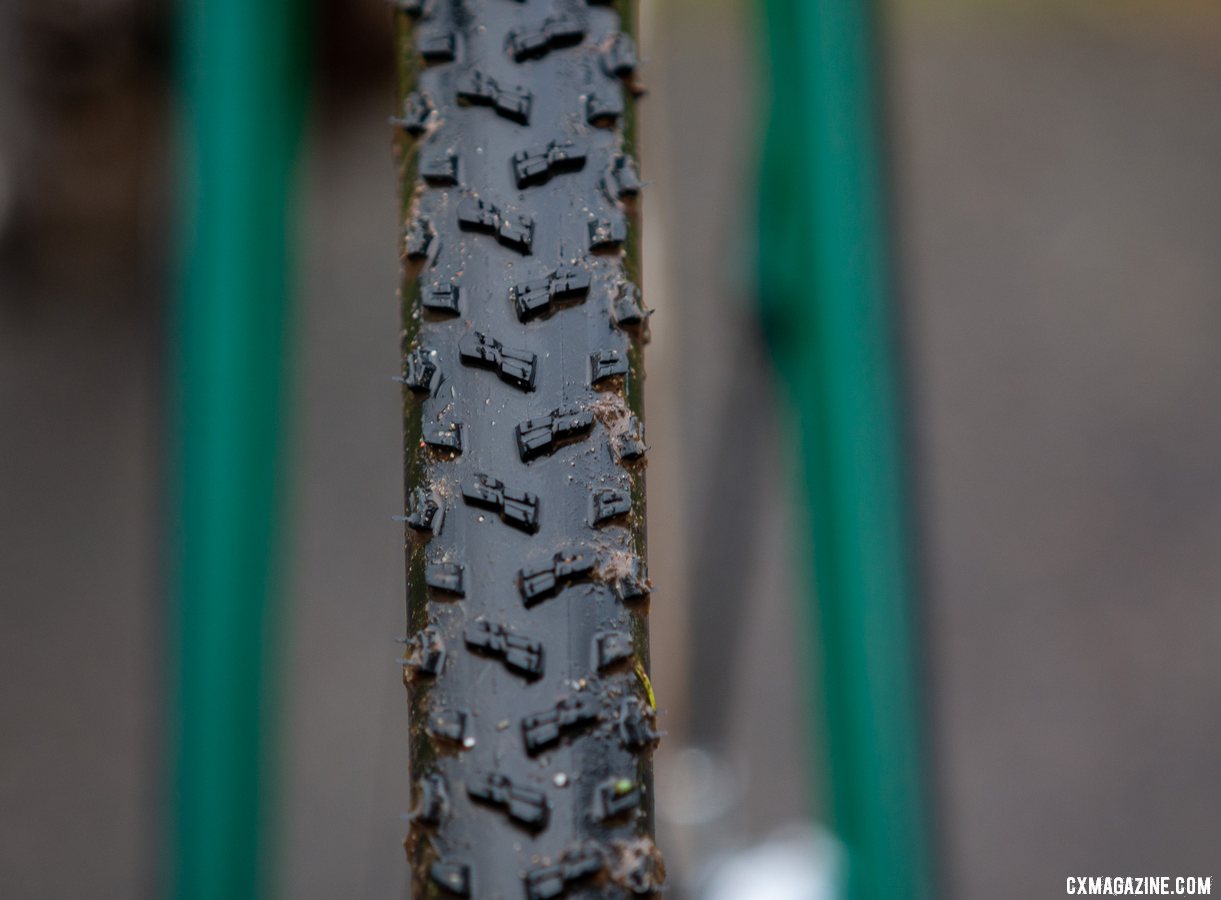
{"type": "Point", "coordinates": [243, 88]}
{"type": "Point", "coordinates": [827, 301]}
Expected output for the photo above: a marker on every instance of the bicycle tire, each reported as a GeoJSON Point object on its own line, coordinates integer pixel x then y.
{"type": "Point", "coordinates": [531, 717]}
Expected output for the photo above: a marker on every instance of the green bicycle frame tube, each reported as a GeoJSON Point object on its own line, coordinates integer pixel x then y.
{"type": "Point", "coordinates": [243, 86]}
{"type": "Point", "coordinates": [827, 301]}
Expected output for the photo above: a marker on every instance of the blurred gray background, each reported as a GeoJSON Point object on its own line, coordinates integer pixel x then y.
{"type": "Point", "coordinates": [1059, 221]}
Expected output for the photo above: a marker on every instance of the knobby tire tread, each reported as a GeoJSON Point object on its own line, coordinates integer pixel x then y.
{"type": "Point", "coordinates": [532, 721]}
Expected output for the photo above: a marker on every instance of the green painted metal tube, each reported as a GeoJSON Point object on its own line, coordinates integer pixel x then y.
{"type": "Point", "coordinates": [827, 301]}
{"type": "Point", "coordinates": [242, 78]}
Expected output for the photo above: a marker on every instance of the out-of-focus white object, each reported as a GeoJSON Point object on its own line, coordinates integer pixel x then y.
{"type": "Point", "coordinates": [797, 862]}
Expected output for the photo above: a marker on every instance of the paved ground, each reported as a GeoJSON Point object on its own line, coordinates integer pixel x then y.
{"type": "Point", "coordinates": [1061, 210]}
